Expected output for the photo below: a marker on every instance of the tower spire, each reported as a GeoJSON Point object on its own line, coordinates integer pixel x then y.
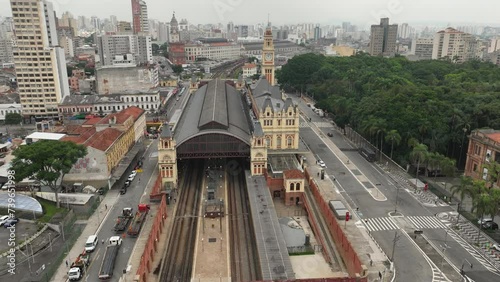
{"type": "Point", "coordinates": [268, 21]}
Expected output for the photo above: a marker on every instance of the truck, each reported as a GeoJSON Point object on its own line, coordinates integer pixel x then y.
{"type": "Point", "coordinates": [123, 220]}
{"type": "Point", "coordinates": [138, 220]}
{"type": "Point", "coordinates": [108, 262]}
{"type": "Point", "coordinates": [78, 267]}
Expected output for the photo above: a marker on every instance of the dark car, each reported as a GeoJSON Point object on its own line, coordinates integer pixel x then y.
{"type": "Point", "coordinates": [330, 134]}
{"type": "Point", "coordinates": [490, 225]}
{"type": "Point", "coordinates": [11, 222]}
{"type": "Point", "coordinates": [100, 191]}
{"type": "Point", "coordinates": [127, 183]}
{"type": "Point", "coordinates": [123, 190]}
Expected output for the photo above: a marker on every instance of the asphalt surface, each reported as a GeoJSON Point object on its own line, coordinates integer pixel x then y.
{"type": "Point", "coordinates": [131, 199]}
{"type": "Point", "coordinates": [410, 262]}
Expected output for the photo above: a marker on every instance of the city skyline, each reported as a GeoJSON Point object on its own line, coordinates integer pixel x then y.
{"type": "Point", "coordinates": [321, 11]}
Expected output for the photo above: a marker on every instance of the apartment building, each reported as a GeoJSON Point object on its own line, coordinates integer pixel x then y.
{"type": "Point", "coordinates": [111, 46]}
{"type": "Point", "coordinates": [140, 17]}
{"type": "Point", "coordinates": [422, 48]}
{"type": "Point", "coordinates": [454, 45]}
{"type": "Point", "coordinates": [39, 61]}
{"type": "Point", "coordinates": [383, 38]}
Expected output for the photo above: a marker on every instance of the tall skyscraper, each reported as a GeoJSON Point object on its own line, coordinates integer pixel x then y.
{"type": "Point", "coordinates": [140, 16]}
{"type": "Point", "coordinates": [137, 48]}
{"type": "Point", "coordinates": [383, 38]}
{"type": "Point", "coordinates": [40, 64]}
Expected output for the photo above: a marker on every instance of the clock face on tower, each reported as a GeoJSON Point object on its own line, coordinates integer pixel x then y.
{"type": "Point", "coordinates": [269, 56]}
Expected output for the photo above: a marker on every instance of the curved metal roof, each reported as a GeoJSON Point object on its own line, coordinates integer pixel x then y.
{"type": "Point", "coordinates": [214, 108]}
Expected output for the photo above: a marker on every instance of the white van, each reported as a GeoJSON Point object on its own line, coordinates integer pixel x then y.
{"type": "Point", "coordinates": [91, 243]}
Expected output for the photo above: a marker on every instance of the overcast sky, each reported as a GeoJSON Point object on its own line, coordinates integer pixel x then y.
{"type": "Point", "coordinates": [361, 12]}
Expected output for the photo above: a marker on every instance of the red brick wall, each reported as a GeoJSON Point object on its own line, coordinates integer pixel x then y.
{"type": "Point", "coordinates": [152, 245]}
{"type": "Point", "coordinates": [344, 247]}
{"type": "Point", "coordinates": [293, 195]}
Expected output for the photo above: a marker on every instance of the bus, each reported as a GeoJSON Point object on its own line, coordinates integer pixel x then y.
{"type": "Point", "coordinates": [367, 153]}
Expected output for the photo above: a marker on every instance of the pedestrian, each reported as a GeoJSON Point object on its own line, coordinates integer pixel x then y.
{"type": "Point", "coordinates": [67, 264]}
{"type": "Point", "coordinates": [175, 200]}
{"type": "Point", "coordinates": [102, 241]}
{"type": "Point", "coordinates": [105, 206]}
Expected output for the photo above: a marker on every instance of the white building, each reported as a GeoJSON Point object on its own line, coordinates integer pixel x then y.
{"type": "Point", "coordinates": [106, 104]}
{"type": "Point", "coordinates": [455, 45]}
{"type": "Point", "coordinates": [422, 48]}
{"type": "Point", "coordinates": [9, 108]}
{"type": "Point", "coordinates": [110, 46]}
{"type": "Point", "coordinates": [40, 62]}
{"type": "Point", "coordinates": [212, 50]}
{"type": "Point", "coordinates": [249, 70]}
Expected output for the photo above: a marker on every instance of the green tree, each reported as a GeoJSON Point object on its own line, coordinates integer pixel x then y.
{"type": "Point", "coordinates": [394, 138]}
{"type": "Point", "coordinates": [69, 70]}
{"type": "Point", "coordinates": [418, 155]}
{"type": "Point", "coordinates": [155, 48]}
{"type": "Point", "coordinates": [463, 189]}
{"type": "Point", "coordinates": [493, 173]}
{"type": "Point", "coordinates": [47, 161]}
{"type": "Point", "coordinates": [177, 69]}
{"type": "Point", "coordinates": [13, 118]}
{"type": "Point", "coordinates": [448, 166]}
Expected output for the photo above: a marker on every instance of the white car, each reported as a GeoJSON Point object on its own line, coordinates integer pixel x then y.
{"type": "Point", "coordinates": [3, 219]}
{"type": "Point", "coordinates": [496, 247]}
{"type": "Point", "coordinates": [321, 164]}
{"type": "Point", "coordinates": [132, 175]}
{"type": "Point", "coordinates": [485, 220]}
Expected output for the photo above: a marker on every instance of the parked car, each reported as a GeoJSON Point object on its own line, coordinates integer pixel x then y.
{"type": "Point", "coordinates": [127, 183]}
{"type": "Point", "coordinates": [3, 219]}
{"type": "Point", "coordinates": [321, 164]}
{"type": "Point", "coordinates": [11, 222]}
{"type": "Point", "coordinates": [486, 219]}
{"type": "Point", "coordinates": [330, 134]}
{"type": "Point", "coordinates": [132, 175]}
{"type": "Point", "coordinates": [490, 225]}
{"type": "Point", "coordinates": [100, 191]}
{"type": "Point", "coordinates": [123, 190]}
{"type": "Point", "coordinates": [496, 247]}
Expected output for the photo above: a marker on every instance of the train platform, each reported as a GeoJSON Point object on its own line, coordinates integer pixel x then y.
{"type": "Point", "coordinates": [212, 240]}
{"type": "Point", "coordinates": [274, 260]}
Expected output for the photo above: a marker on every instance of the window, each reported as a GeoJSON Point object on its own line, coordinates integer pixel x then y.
{"type": "Point", "coordinates": [297, 187]}
{"type": "Point", "coordinates": [292, 186]}
{"type": "Point", "coordinates": [474, 167]}
{"type": "Point", "coordinates": [477, 150]}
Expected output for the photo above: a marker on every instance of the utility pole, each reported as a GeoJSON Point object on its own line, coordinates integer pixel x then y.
{"type": "Point", "coordinates": [394, 242]}
{"type": "Point", "coordinates": [397, 200]}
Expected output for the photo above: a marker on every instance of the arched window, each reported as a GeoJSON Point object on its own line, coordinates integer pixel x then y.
{"type": "Point", "coordinates": [297, 187]}
{"type": "Point", "coordinates": [292, 186]}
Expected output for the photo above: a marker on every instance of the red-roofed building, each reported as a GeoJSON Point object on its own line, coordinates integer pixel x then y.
{"type": "Point", "coordinates": [294, 182]}
{"type": "Point", "coordinates": [249, 70]}
{"type": "Point", "coordinates": [107, 140]}
{"type": "Point", "coordinates": [484, 149]}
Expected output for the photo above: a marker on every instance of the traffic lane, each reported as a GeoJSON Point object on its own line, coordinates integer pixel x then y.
{"type": "Point", "coordinates": [456, 253]}
{"type": "Point", "coordinates": [130, 199]}
{"type": "Point", "coordinates": [348, 182]}
{"type": "Point", "coordinates": [409, 261]}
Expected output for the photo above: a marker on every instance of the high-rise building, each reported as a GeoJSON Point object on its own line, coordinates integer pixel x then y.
{"type": "Point", "coordinates": [455, 45]}
{"type": "Point", "coordinates": [317, 32]}
{"type": "Point", "coordinates": [383, 38]}
{"type": "Point", "coordinates": [111, 46]}
{"type": "Point", "coordinates": [422, 48]}
{"type": "Point", "coordinates": [162, 32]}
{"type": "Point", "coordinates": [124, 27]}
{"type": "Point", "coordinates": [140, 17]}
{"type": "Point", "coordinates": [67, 20]}
{"type": "Point", "coordinates": [40, 63]}
{"type": "Point", "coordinates": [6, 54]}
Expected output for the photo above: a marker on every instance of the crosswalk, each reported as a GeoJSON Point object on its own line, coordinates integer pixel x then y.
{"type": "Point", "coordinates": [428, 222]}
{"type": "Point", "coordinates": [471, 250]}
{"type": "Point", "coordinates": [380, 224]}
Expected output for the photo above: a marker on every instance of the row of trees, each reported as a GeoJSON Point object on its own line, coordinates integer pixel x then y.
{"type": "Point", "coordinates": [485, 198]}
{"type": "Point", "coordinates": [392, 100]}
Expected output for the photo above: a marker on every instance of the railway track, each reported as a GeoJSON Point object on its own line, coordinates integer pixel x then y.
{"type": "Point", "coordinates": [178, 263]}
{"type": "Point", "coordinates": [244, 257]}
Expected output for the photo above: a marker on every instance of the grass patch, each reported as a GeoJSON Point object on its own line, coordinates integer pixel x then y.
{"type": "Point", "coordinates": [49, 210]}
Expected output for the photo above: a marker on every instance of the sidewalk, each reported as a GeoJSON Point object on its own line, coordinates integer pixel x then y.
{"type": "Point", "coordinates": [367, 249]}
{"type": "Point", "coordinates": [93, 224]}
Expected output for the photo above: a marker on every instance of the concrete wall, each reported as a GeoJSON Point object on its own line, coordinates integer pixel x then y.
{"type": "Point", "coordinates": [111, 80]}
{"type": "Point", "coordinates": [92, 168]}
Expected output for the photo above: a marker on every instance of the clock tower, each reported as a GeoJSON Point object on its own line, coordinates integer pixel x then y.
{"type": "Point", "coordinates": [268, 56]}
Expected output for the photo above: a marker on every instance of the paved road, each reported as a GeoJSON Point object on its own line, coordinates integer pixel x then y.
{"type": "Point", "coordinates": [130, 199]}
{"type": "Point", "coordinates": [382, 226]}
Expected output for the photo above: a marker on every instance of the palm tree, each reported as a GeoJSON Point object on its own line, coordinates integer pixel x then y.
{"type": "Point", "coordinates": [433, 162]}
{"type": "Point", "coordinates": [495, 202]}
{"type": "Point", "coordinates": [418, 155]}
{"type": "Point", "coordinates": [448, 166]}
{"type": "Point", "coordinates": [412, 142]}
{"type": "Point", "coordinates": [463, 189]}
{"type": "Point", "coordinates": [393, 137]}
{"type": "Point", "coordinates": [493, 173]}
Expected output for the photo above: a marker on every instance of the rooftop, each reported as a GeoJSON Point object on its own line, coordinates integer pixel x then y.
{"type": "Point", "coordinates": [123, 115]}
{"type": "Point", "coordinates": [102, 140]}
{"type": "Point", "coordinates": [45, 136]}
